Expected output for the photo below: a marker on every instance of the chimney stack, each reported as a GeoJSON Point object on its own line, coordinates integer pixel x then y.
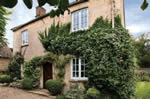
{"type": "Point", "coordinates": [40, 11]}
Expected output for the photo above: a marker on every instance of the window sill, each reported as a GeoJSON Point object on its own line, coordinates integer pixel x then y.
{"type": "Point", "coordinates": [78, 80]}
{"type": "Point", "coordinates": [24, 45]}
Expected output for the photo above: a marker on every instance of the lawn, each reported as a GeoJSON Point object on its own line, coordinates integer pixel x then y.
{"type": "Point", "coordinates": [143, 90]}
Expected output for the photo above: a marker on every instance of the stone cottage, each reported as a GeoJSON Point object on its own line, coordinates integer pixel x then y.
{"type": "Point", "coordinates": [82, 16]}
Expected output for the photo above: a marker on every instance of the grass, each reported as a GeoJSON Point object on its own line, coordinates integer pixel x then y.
{"type": "Point", "coordinates": [143, 90]}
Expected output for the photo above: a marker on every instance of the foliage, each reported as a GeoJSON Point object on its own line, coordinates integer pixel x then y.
{"type": "Point", "coordinates": [74, 92]}
{"type": "Point", "coordinates": [54, 86]}
{"type": "Point", "coordinates": [142, 51]}
{"type": "Point", "coordinates": [109, 53]}
{"type": "Point", "coordinates": [144, 5]}
{"type": "Point", "coordinates": [5, 79]}
{"type": "Point", "coordinates": [61, 5]}
{"type": "Point", "coordinates": [16, 84]}
{"type": "Point", "coordinates": [60, 97]}
{"type": "Point", "coordinates": [32, 71]}
{"type": "Point", "coordinates": [15, 65]}
{"type": "Point", "coordinates": [5, 71]}
{"type": "Point", "coordinates": [143, 90]}
{"type": "Point", "coordinates": [27, 83]}
{"type": "Point", "coordinates": [3, 13]}
{"type": "Point", "coordinates": [146, 78]}
{"type": "Point", "coordinates": [92, 93]}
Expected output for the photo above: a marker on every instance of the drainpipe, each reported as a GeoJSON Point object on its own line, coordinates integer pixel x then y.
{"type": "Point", "coordinates": [112, 11]}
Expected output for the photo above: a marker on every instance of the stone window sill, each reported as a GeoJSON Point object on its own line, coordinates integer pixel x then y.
{"type": "Point", "coordinates": [24, 45]}
{"type": "Point", "coordinates": [73, 80]}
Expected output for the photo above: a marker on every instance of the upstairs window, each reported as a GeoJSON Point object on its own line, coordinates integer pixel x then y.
{"type": "Point", "coordinates": [80, 20]}
{"type": "Point", "coordinates": [24, 37]}
{"type": "Point", "coordinates": [72, 1]}
{"type": "Point", "coordinates": [78, 69]}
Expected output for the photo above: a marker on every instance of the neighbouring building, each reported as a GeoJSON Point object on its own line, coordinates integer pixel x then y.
{"type": "Point", "coordinates": [5, 56]}
{"type": "Point", "coordinates": [82, 16]}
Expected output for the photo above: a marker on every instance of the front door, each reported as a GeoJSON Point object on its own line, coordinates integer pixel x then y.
{"type": "Point", "coordinates": [47, 73]}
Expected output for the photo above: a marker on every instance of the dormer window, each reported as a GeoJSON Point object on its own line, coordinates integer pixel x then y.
{"type": "Point", "coordinates": [80, 20]}
{"type": "Point", "coordinates": [24, 37]}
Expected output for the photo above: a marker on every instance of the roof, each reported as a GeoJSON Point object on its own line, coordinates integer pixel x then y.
{"type": "Point", "coordinates": [5, 52]}
{"type": "Point", "coordinates": [41, 17]}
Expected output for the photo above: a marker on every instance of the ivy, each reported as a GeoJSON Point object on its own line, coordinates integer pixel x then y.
{"type": "Point", "coordinates": [109, 54]}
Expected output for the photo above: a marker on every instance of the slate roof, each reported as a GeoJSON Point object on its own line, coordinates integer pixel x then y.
{"type": "Point", "coordinates": [6, 52]}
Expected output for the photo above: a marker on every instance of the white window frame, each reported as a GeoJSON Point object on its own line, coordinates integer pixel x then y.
{"type": "Point", "coordinates": [77, 78]}
{"type": "Point", "coordinates": [79, 11]}
{"type": "Point", "coordinates": [25, 38]}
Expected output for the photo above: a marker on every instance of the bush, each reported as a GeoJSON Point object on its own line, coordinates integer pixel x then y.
{"type": "Point", "coordinates": [93, 93]}
{"type": "Point", "coordinates": [146, 78]}
{"type": "Point", "coordinates": [74, 93]}
{"type": "Point", "coordinates": [16, 84]}
{"type": "Point", "coordinates": [15, 65]}
{"type": "Point", "coordinates": [32, 70]}
{"type": "Point", "coordinates": [27, 83]}
{"type": "Point", "coordinates": [5, 79]}
{"type": "Point", "coordinates": [54, 86]}
{"type": "Point", "coordinates": [60, 97]}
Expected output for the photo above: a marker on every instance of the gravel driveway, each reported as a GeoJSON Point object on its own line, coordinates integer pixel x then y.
{"type": "Point", "coordinates": [14, 93]}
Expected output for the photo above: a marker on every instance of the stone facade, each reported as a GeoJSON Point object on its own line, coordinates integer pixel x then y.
{"type": "Point", "coordinates": [96, 8]}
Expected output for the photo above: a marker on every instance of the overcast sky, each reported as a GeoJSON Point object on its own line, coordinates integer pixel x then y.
{"type": "Point", "coordinates": [137, 21]}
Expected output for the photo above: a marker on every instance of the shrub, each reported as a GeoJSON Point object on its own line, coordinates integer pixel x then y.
{"type": "Point", "coordinates": [27, 83]}
{"type": "Point", "coordinates": [54, 86]}
{"type": "Point", "coordinates": [32, 70]}
{"type": "Point", "coordinates": [146, 78]}
{"type": "Point", "coordinates": [5, 79]}
{"type": "Point", "coordinates": [60, 97]}
{"type": "Point", "coordinates": [16, 84]}
{"type": "Point", "coordinates": [15, 65]}
{"type": "Point", "coordinates": [93, 93]}
{"type": "Point", "coordinates": [74, 93]}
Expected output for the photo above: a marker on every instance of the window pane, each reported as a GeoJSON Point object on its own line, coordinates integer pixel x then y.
{"type": "Point", "coordinates": [74, 74]}
{"type": "Point", "coordinates": [73, 67]}
{"type": "Point", "coordinates": [74, 61]}
{"type": "Point", "coordinates": [86, 75]}
{"type": "Point", "coordinates": [82, 74]}
{"type": "Point", "coordinates": [77, 67]}
{"type": "Point", "coordinates": [82, 67]}
{"type": "Point", "coordinates": [77, 74]}
{"type": "Point", "coordinates": [77, 61]}
{"type": "Point", "coordinates": [24, 37]}
{"type": "Point", "coordinates": [84, 18]}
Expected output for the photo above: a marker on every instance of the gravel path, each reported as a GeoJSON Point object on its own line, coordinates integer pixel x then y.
{"type": "Point", "coordinates": [14, 93]}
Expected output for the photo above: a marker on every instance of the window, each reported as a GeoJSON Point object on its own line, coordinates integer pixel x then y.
{"type": "Point", "coordinates": [24, 37]}
{"type": "Point", "coordinates": [78, 69]}
{"type": "Point", "coordinates": [71, 1]}
{"type": "Point", "coordinates": [80, 20]}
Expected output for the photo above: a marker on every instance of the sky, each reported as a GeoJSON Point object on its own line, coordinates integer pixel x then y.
{"type": "Point", "coordinates": [137, 21]}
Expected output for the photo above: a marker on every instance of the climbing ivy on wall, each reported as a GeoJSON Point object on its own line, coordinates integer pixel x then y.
{"type": "Point", "coordinates": [109, 54]}
{"type": "Point", "coordinates": [31, 67]}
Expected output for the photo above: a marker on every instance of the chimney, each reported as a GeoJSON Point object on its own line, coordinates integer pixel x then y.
{"type": "Point", "coordinates": [40, 11]}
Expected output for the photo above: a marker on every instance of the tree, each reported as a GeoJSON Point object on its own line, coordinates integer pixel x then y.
{"type": "Point", "coordinates": [142, 51]}
{"type": "Point", "coordinates": [144, 5]}
{"type": "Point", "coordinates": [3, 13]}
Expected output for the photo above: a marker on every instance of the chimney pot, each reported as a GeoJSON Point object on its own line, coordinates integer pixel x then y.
{"type": "Point", "coordinates": [40, 11]}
